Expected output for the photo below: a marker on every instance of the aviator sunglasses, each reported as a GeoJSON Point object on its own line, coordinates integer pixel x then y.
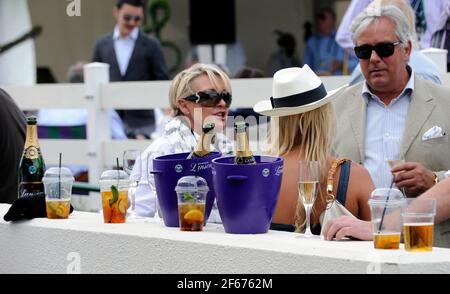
{"type": "Point", "coordinates": [209, 98]}
{"type": "Point", "coordinates": [128, 18]}
{"type": "Point", "coordinates": [382, 49]}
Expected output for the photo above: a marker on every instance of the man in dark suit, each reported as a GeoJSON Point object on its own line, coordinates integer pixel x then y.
{"type": "Point", "coordinates": [12, 140]}
{"type": "Point", "coordinates": [132, 56]}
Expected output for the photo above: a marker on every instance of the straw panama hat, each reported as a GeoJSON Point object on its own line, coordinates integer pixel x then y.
{"type": "Point", "coordinates": [295, 90]}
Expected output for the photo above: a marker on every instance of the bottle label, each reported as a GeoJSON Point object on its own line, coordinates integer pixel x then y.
{"type": "Point", "coordinates": [206, 142]}
{"type": "Point", "coordinates": [241, 142]}
{"type": "Point", "coordinates": [31, 189]}
{"type": "Point", "coordinates": [32, 152]}
{"type": "Point", "coordinates": [243, 153]}
{"type": "Point", "coordinates": [32, 169]}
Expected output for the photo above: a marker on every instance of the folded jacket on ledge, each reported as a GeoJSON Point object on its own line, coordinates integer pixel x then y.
{"type": "Point", "coordinates": [27, 207]}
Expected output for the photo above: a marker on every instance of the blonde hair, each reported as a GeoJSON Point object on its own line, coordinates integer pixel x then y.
{"type": "Point", "coordinates": [182, 83]}
{"type": "Point", "coordinates": [407, 10]}
{"type": "Point", "coordinates": [312, 133]}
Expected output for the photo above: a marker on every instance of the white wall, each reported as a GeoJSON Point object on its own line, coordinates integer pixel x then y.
{"type": "Point", "coordinates": [85, 243]}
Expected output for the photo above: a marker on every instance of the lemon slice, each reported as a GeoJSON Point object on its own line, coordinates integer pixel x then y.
{"type": "Point", "coordinates": [194, 215]}
{"type": "Point", "coordinates": [122, 206]}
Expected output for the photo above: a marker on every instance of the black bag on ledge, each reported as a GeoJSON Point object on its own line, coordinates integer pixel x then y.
{"type": "Point", "coordinates": [28, 207]}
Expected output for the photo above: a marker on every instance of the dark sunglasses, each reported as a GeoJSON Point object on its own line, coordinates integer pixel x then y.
{"type": "Point", "coordinates": [382, 49]}
{"type": "Point", "coordinates": [209, 98]}
{"type": "Point", "coordinates": [128, 18]}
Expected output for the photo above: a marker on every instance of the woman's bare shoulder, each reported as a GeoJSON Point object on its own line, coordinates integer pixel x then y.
{"type": "Point", "coordinates": [359, 170]}
{"type": "Point", "coordinates": [360, 177]}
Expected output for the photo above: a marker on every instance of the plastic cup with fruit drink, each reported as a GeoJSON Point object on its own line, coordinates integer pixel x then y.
{"type": "Point", "coordinates": [114, 186]}
{"type": "Point", "coordinates": [58, 191]}
{"type": "Point", "coordinates": [191, 192]}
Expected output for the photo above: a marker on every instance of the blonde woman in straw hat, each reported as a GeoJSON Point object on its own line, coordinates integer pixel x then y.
{"type": "Point", "coordinates": [302, 128]}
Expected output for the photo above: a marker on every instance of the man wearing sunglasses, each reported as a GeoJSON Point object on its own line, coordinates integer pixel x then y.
{"type": "Point", "coordinates": [393, 114]}
{"type": "Point", "coordinates": [132, 56]}
{"type": "Point", "coordinates": [423, 66]}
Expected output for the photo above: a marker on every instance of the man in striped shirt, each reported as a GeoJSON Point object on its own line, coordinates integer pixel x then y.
{"type": "Point", "coordinates": [393, 114]}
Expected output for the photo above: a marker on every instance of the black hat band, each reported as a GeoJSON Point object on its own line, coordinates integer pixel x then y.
{"type": "Point", "coordinates": [300, 99]}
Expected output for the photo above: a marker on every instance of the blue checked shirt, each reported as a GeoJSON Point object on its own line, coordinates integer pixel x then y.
{"type": "Point", "coordinates": [384, 132]}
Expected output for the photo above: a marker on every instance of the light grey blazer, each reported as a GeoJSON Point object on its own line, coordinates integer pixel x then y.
{"type": "Point", "coordinates": [430, 106]}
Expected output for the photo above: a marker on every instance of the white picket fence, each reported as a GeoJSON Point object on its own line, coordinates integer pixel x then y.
{"type": "Point", "coordinates": [97, 95]}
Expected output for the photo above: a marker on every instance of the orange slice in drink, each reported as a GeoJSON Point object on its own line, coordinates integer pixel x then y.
{"type": "Point", "coordinates": [194, 215]}
{"type": "Point", "coordinates": [61, 210]}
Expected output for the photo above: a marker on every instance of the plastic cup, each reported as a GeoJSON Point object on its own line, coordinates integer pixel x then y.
{"type": "Point", "coordinates": [386, 207]}
{"type": "Point", "coordinates": [114, 186]}
{"type": "Point", "coordinates": [191, 194]}
{"type": "Point", "coordinates": [58, 191]}
{"type": "Point", "coordinates": [418, 224]}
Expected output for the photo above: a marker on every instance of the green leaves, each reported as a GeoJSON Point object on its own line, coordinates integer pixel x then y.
{"type": "Point", "coordinates": [188, 197]}
{"type": "Point", "coordinates": [115, 194]}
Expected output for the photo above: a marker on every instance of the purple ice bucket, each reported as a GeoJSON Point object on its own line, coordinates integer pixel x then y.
{"type": "Point", "coordinates": [168, 169]}
{"type": "Point", "coordinates": [247, 194]}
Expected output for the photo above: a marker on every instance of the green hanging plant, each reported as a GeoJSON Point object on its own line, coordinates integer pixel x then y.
{"type": "Point", "coordinates": [159, 14]}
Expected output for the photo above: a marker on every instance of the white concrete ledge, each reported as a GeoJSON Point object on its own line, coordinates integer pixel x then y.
{"type": "Point", "coordinates": [144, 246]}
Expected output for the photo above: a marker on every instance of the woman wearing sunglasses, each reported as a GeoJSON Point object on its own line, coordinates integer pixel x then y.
{"type": "Point", "coordinates": [199, 94]}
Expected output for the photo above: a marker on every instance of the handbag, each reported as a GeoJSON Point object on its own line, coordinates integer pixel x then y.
{"type": "Point", "coordinates": [334, 207]}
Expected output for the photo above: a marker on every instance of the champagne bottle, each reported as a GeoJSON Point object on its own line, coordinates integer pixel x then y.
{"type": "Point", "coordinates": [243, 153]}
{"type": "Point", "coordinates": [32, 166]}
{"type": "Point", "coordinates": [203, 147]}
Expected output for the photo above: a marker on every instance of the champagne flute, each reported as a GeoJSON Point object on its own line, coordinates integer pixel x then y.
{"type": "Point", "coordinates": [393, 163]}
{"type": "Point", "coordinates": [129, 160]}
{"type": "Point", "coordinates": [308, 185]}
{"type": "Point", "coordinates": [152, 185]}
